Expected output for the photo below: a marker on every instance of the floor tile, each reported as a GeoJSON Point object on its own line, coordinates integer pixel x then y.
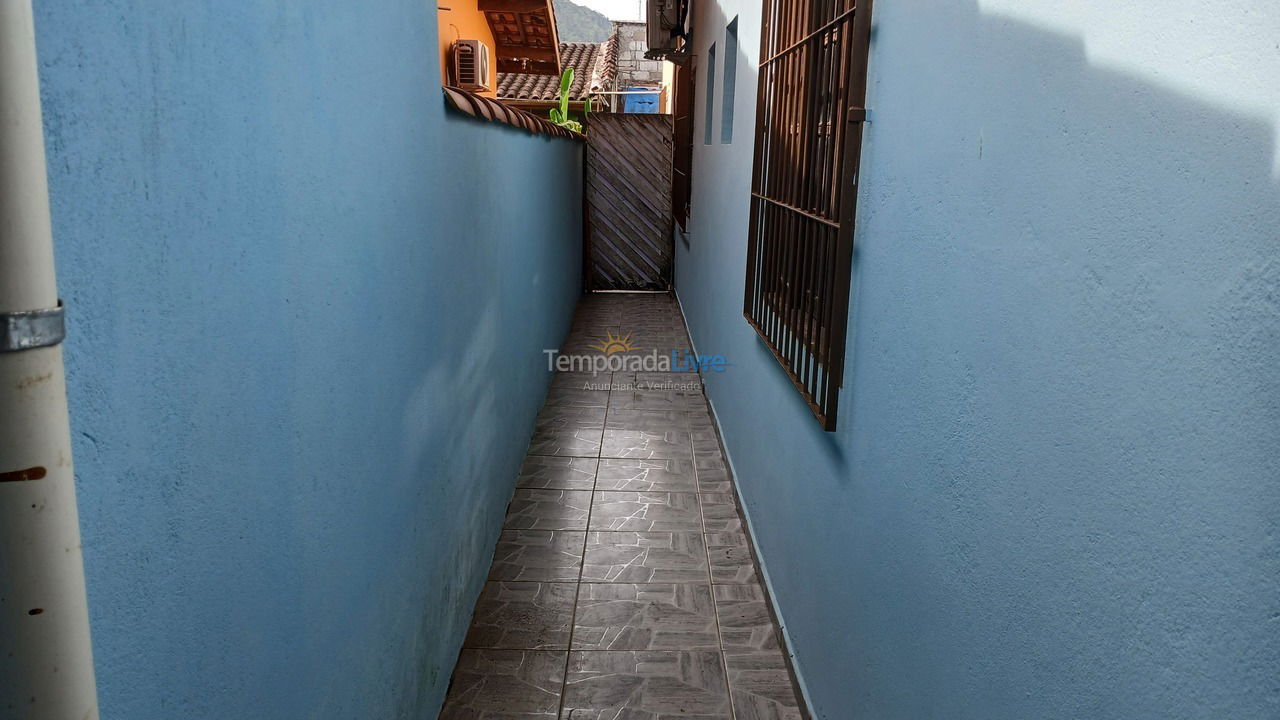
{"type": "Point", "coordinates": [653, 400]}
{"type": "Point", "coordinates": [585, 346]}
{"type": "Point", "coordinates": [548, 510]}
{"type": "Point", "coordinates": [661, 328]}
{"type": "Point", "coordinates": [569, 417]}
{"type": "Point", "coordinates": [746, 626]}
{"type": "Point", "coordinates": [689, 368]}
{"type": "Point", "coordinates": [663, 616]}
{"type": "Point", "coordinates": [713, 461]}
{"type": "Point", "coordinates": [643, 557]}
{"type": "Point", "coordinates": [732, 565]}
{"type": "Point", "coordinates": [579, 380]}
{"type": "Point", "coordinates": [538, 555]}
{"type": "Point", "coordinates": [577, 397]}
{"type": "Point", "coordinates": [713, 480]}
{"type": "Point", "coordinates": [669, 347]}
{"type": "Point", "coordinates": [730, 558]}
{"type": "Point", "coordinates": [572, 443]}
{"type": "Point", "coordinates": [669, 381]}
{"type": "Point", "coordinates": [760, 687]}
{"type": "Point", "coordinates": [670, 444]}
{"type": "Point", "coordinates": [645, 685]}
{"type": "Point", "coordinates": [706, 443]}
{"type": "Point", "coordinates": [700, 419]}
{"type": "Point", "coordinates": [659, 391]}
{"type": "Point", "coordinates": [646, 512]}
{"type": "Point", "coordinates": [505, 685]}
{"type": "Point", "coordinates": [557, 473]}
{"type": "Point", "coordinates": [646, 475]}
{"type": "Point", "coordinates": [720, 513]}
{"type": "Point", "coordinates": [588, 334]}
{"type": "Point", "coordinates": [522, 616]}
{"type": "Point", "coordinates": [705, 459]}
{"type": "Point", "coordinates": [624, 419]}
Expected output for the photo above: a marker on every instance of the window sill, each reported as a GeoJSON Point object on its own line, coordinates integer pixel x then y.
{"type": "Point", "coordinates": [493, 111]}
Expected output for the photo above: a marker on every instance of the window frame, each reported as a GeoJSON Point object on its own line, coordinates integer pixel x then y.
{"type": "Point", "coordinates": [709, 126]}
{"type": "Point", "coordinates": [729, 88]}
{"type": "Point", "coordinates": [810, 110]}
{"type": "Point", "coordinates": [682, 112]}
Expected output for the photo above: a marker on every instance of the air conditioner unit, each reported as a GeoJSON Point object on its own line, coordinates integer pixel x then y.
{"type": "Point", "coordinates": [668, 29]}
{"type": "Point", "coordinates": [471, 65]}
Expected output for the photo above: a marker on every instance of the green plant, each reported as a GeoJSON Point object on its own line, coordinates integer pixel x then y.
{"type": "Point", "coordinates": [560, 115]}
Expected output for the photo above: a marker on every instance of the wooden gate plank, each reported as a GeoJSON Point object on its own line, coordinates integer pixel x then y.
{"type": "Point", "coordinates": [629, 201]}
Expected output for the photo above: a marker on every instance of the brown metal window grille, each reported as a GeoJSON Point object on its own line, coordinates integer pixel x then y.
{"type": "Point", "coordinates": [682, 144]}
{"type": "Point", "coordinates": [809, 114]}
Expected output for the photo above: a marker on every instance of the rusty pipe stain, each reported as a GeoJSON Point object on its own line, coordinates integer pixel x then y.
{"type": "Point", "coordinates": [32, 473]}
{"type": "Point", "coordinates": [25, 383]}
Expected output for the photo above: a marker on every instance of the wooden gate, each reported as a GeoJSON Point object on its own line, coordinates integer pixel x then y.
{"type": "Point", "coordinates": [629, 202]}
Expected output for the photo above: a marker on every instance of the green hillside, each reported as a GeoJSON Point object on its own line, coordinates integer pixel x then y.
{"type": "Point", "coordinates": [575, 23]}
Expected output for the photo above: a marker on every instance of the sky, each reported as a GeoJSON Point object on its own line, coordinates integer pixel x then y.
{"type": "Point", "coordinates": [616, 9]}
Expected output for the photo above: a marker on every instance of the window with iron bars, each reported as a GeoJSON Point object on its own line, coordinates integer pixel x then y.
{"type": "Point", "coordinates": [809, 115]}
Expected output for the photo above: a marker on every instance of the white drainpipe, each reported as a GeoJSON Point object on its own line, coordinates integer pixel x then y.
{"type": "Point", "coordinates": [46, 666]}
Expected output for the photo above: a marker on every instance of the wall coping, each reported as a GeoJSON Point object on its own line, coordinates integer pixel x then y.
{"type": "Point", "coordinates": [489, 109]}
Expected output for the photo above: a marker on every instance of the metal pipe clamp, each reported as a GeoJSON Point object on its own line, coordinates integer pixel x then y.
{"type": "Point", "coordinates": [31, 329]}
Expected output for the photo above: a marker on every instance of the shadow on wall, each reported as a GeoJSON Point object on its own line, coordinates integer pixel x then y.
{"type": "Point", "coordinates": [1053, 492]}
{"type": "Point", "coordinates": [304, 358]}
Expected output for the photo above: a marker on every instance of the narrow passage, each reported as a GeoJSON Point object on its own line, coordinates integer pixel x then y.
{"type": "Point", "coordinates": [623, 585]}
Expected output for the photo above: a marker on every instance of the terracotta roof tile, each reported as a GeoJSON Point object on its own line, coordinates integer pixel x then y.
{"type": "Point", "coordinates": [489, 109]}
{"type": "Point", "coordinates": [587, 76]}
{"type": "Point", "coordinates": [609, 55]}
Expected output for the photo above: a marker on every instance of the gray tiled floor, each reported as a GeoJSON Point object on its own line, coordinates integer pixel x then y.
{"type": "Point", "coordinates": [623, 584]}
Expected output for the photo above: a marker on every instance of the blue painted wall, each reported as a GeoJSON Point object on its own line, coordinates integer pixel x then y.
{"type": "Point", "coordinates": [307, 306]}
{"type": "Point", "coordinates": [1053, 492]}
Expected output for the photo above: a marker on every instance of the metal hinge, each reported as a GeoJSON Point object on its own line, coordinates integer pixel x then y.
{"type": "Point", "coordinates": [31, 329]}
{"type": "Point", "coordinates": [859, 115]}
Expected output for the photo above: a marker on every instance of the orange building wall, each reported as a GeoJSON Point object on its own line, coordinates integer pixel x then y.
{"type": "Point", "coordinates": [462, 20]}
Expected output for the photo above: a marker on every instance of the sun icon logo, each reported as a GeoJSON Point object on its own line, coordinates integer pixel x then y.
{"type": "Point", "coordinates": [614, 343]}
